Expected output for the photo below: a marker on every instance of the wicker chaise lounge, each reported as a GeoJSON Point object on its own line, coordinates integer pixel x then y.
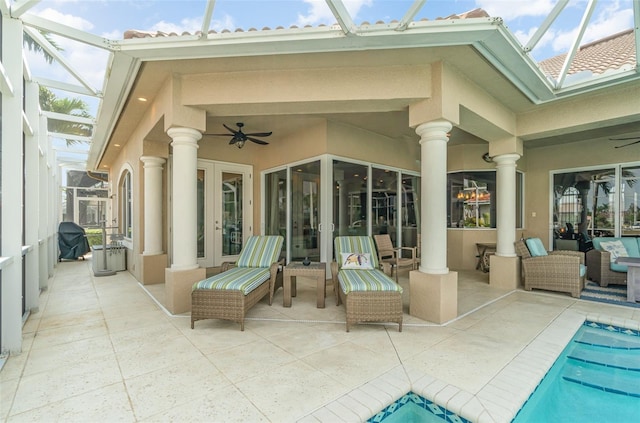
{"type": "Point", "coordinates": [369, 295]}
{"type": "Point", "coordinates": [231, 293]}
{"type": "Point", "coordinates": [560, 270]}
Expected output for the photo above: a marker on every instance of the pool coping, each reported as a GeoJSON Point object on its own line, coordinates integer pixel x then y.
{"type": "Point", "coordinates": [497, 402]}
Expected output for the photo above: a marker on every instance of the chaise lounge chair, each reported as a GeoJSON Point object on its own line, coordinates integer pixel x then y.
{"type": "Point", "coordinates": [369, 295]}
{"type": "Point", "coordinates": [231, 293]}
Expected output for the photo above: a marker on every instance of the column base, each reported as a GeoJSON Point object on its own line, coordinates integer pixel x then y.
{"type": "Point", "coordinates": [433, 297]}
{"type": "Point", "coordinates": [177, 288]}
{"type": "Point", "coordinates": [152, 268]}
{"type": "Point", "coordinates": [505, 272]}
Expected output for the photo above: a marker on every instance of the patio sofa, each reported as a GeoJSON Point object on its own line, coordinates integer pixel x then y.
{"type": "Point", "coordinates": [559, 270]}
{"type": "Point", "coordinates": [601, 264]}
{"type": "Point", "coordinates": [231, 293]}
{"type": "Point", "coordinates": [368, 293]}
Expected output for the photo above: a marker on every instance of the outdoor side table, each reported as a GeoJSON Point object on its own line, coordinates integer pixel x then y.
{"type": "Point", "coordinates": [314, 270]}
{"type": "Point", "coordinates": [633, 277]}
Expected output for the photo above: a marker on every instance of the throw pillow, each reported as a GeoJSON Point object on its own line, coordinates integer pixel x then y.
{"type": "Point", "coordinates": [536, 249]}
{"type": "Point", "coordinates": [356, 261]}
{"type": "Point", "coordinates": [615, 248]}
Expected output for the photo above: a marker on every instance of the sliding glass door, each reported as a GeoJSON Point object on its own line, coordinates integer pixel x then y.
{"type": "Point", "coordinates": [360, 199]}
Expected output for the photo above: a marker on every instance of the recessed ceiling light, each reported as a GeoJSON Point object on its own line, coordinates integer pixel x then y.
{"type": "Point", "coordinates": [142, 99]}
{"type": "Point", "coordinates": [116, 145]}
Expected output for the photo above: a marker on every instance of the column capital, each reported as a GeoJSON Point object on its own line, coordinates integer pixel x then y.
{"type": "Point", "coordinates": [437, 130]}
{"type": "Point", "coordinates": [152, 161]}
{"type": "Point", "coordinates": [506, 159]}
{"type": "Point", "coordinates": [184, 136]}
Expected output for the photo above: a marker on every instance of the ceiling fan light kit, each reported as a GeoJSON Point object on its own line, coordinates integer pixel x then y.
{"type": "Point", "coordinates": [239, 138]}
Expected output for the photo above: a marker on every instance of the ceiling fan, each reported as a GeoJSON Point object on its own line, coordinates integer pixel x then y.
{"type": "Point", "coordinates": [239, 137]}
{"type": "Point", "coordinates": [636, 141]}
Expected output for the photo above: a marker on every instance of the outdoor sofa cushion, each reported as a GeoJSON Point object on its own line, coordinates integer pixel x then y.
{"type": "Point", "coordinates": [612, 245]}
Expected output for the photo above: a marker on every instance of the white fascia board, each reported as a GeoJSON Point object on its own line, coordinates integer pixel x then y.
{"type": "Point", "coordinates": [69, 118]}
{"type": "Point", "coordinates": [122, 71]}
{"type": "Point", "coordinates": [64, 86]}
{"type": "Point", "coordinates": [597, 82]}
{"type": "Point", "coordinates": [309, 40]}
{"type": "Point", "coordinates": [21, 7]}
{"type": "Point", "coordinates": [5, 84]}
{"type": "Point", "coordinates": [39, 23]}
{"type": "Point", "coordinates": [503, 51]}
{"type": "Point", "coordinates": [487, 35]}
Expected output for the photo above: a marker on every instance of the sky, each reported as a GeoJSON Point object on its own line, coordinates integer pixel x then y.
{"type": "Point", "coordinates": [111, 18]}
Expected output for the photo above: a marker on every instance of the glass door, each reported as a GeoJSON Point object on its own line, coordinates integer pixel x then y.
{"type": "Point", "coordinates": [224, 211]}
{"type": "Point", "coordinates": [305, 209]}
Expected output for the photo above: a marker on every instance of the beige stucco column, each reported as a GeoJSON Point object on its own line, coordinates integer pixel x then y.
{"type": "Point", "coordinates": [184, 270]}
{"type": "Point", "coordinates": [504, 265]}
{"type": "Point", "coordinates": [153, 259]}
{"type": "Point", "coordinates": [434, 289]}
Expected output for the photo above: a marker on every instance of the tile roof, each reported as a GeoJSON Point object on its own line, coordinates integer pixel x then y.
{"type": "Point", "coordinates": [132, 33]}
{"type": "Point", "coordinates": [610, 53]}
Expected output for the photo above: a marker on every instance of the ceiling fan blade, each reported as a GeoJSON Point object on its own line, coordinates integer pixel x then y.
{"type": "Point", "coordinates": [626, 145]}
{"type": "Point", "coordinates": [233, 131]}
{"type": "Point", "coordinates": [260, 134]}
{"type": "Point", "coordinates": [626, 138]}
{"type": "Point", "coordinates": [257, 141]}
{"type": "Point", "coordinates": [217, 135]}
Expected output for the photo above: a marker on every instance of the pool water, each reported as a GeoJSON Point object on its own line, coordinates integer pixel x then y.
{"type": "Point", "coordinates": [595, 379]}
{"type": "Point", "coordinates": [412, 408]}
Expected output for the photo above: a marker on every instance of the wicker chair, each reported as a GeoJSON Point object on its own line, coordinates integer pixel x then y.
{"type": "Point", "coordinates": [387, 253]}
{"type": "Point", "coordinates": [231, 293]}
{"type": "Point", "coordinates": [561, 270]}
{"type": "Point", "coordinates": [369, 294]}
{"type": "Point", "coordinates": [599, 266]}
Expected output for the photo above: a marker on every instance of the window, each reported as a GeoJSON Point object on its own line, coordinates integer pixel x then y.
{"type": "Point", "coordinates": [126, 221]}
{"type": "Point", "coordinates": [472, 199]}
{"type": "Point", "coordinates": [597, 202]}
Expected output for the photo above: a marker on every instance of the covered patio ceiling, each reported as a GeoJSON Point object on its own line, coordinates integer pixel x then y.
{"type": "Point", "coordinates": [470, 41]}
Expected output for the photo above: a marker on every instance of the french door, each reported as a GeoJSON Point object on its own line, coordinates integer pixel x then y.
{"type": "Point", "coordinates": [225, 211]}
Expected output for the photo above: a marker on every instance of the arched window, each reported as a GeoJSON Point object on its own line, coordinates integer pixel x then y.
{"type": "Point", "coordinates": [126, 205]}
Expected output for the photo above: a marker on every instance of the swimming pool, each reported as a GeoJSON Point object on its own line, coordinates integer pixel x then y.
{"type": "Point", "coordinates": [412, 408]}
{"type": "Point", "coordinates": [595, 379]}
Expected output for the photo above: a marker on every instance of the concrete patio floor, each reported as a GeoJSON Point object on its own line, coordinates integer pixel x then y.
{"type": "Point", "coordinates": [104, 349]}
